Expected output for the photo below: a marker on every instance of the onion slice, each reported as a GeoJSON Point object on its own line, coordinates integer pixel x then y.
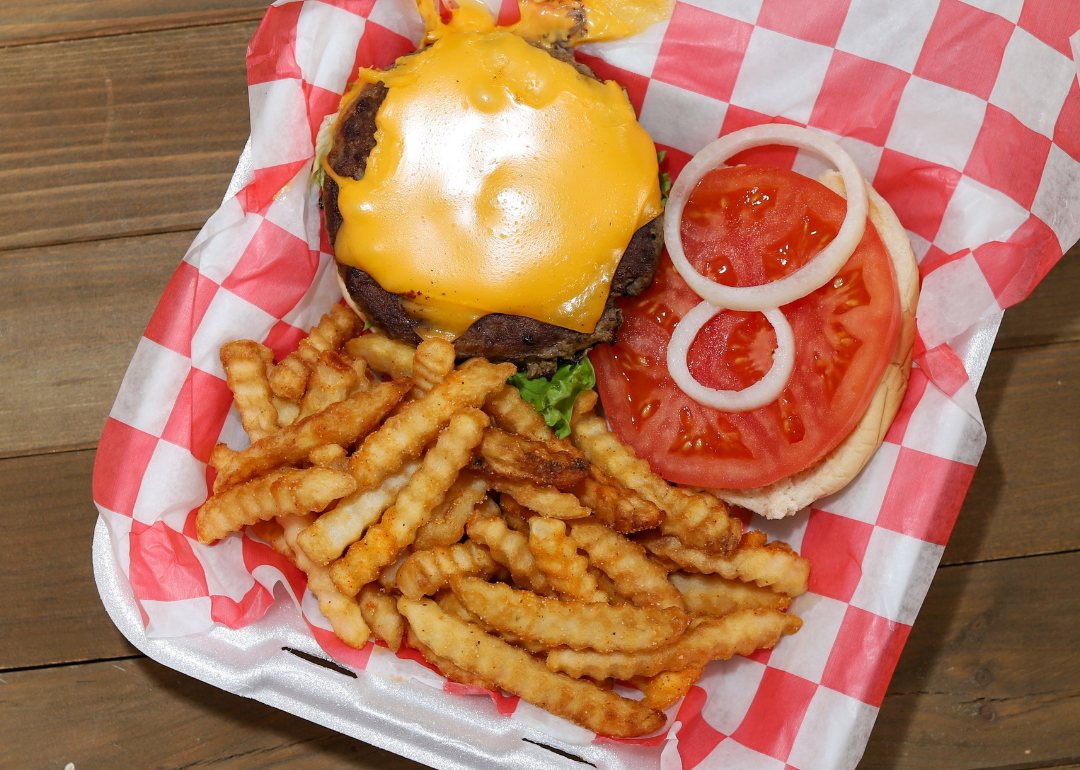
{"type": "Point", "coordinates": [764, 391]}
{"type": "Point", "coordinates": [811, 276]}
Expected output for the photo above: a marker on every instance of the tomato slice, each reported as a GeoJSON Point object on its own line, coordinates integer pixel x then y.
{"type": "Point", "coordinates": [745, 226]}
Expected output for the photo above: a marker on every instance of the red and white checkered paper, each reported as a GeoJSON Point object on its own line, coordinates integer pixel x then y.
{"type": "Point", "coordinates": [966, 118]}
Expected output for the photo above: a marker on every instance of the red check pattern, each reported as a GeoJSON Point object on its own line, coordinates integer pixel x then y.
{"type": "Point", "coordinates": [983, 174]}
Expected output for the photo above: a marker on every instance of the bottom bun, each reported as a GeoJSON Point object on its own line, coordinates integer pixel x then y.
{"type": "Point", "coordinates": [835, 470]}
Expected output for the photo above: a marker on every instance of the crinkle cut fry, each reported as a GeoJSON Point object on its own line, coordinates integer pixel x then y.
{"type": "Point", "coordinates": [340, 423]}
{"type": "Point", "coordinates": [447, 522]}
{"type": "Point", "coordinates": [714, 595]}
{"type": "Point", "coordinates": [245, 362]}
{"type": "Point", "coordinates": [514, 414]}
{"type": "Point", "coordinates": [517, 672]}
{"type": "Point", "coordinates": [667, 687]}
{"type": "Point", "coordinates": [625, 562]}
{"type": "Point", "coordinates": [278, 493]}
{"type": "Point", "coordinates": [739, 633]}
{"type": "Point", "coordinates": [617, 506]}
{"type": "Point", "coordinates": [453, 607]}
{"type": "Point", "coordinates": [577, 625]}
{"type": "Point", "coordinates": [383, 354]}
{"type": "Point", "coordinates": [551, 502]}
{"type": "Point", "coordinates": [775, 565]}
{"type": "Point", "coordinates": [425, 572]}
{"type": "Point", "coordinates": [332, 379]}
{"type": "Point", "coordinates": [380, 612]}
{"type": "Point", "coordinates": [520, 459]}
{"type": "Point", "coordinates": [405, 434]}
{"type": "Point", "coordinates": [397, 529]}
{"type": "Point", "coordinates": [510, 549]}
{"type": "Point", "coordinates": [432, 363]}
{"type": "Point", "coordinates": [289, 378]}
{"type": "Point", "coordinates": [697, 519]}
{"type": "Point", "coordinates": [557, 556]}
{"type": "Point", "coordinates": [447, 668]}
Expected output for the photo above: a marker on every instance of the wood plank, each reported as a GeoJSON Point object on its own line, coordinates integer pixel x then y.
{"type": "Point", "coordinates": [1051, 313]}
{"type": "Point", "coordinates": [119, 135]}
{"type": "Point", "coordinates": [1025, 497]}
{"type": "Point", "coordinates": [70, 318]}
{"type": "Point", "coordinates": [990, 676]}
{"type": "Point", "coordinates": [27, 21]}
{"type": "Point", "coordinates": [136, 713]}
{"type": "Point", "coordinates": [49, 609]}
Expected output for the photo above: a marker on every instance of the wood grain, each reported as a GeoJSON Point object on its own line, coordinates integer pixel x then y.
{"type": "Point", "coordinates": [49, 609]}
{"type": "Point", "coordinates": [990, 676]}
{"type": "Point", "coordinates": [137, 713]}
{"type": "Point", "coordinates": [26, 21]}
{"type": "Point", "coordinates": [119, 135]}
{"type": "Point", "coordinates": [70, 318]}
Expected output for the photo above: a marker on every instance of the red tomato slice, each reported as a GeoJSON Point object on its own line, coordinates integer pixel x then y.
{"type": "Point", "coordinates": [744, 226]}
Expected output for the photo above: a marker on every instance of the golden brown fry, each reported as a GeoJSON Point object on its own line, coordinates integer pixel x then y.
{"type": "Point", "coordinates": [330, 456]}
{"type": "Point", "coordinates": [396, 530]}
{"type": "Point", "coordinates": [383, 354]}
{"type": "Point", "coordinates": [511, 549]}
{"type": "Point", "coordinates": [425, 572]}
{"type": "Point", "coordinates": [514, 414]}
{"type": "Point", "coordinates": [448, 668]}
{"type": "Point", "coordinates": [517, 672]}
{"type": "Point", "coordinates": [620, 508]}
{"type": "Point", "coordinates": [557, 557]}
{"type": "Point", "coordinates": [278, 493]}
{"type": "Point", "coordinates": [287, 411]}
{"type": "Point", "coordinates": [341, 423]}
{"type": "Point", "coordinates": [571, 624]}
{"type": "Point", "coordinates": [447, 523]}
{"type": "Point", "coordinates": [336, 530]}
{"type": "Point", "coordinates": [697, 519]}
{"type": "Point", "coordinates": [517, 516]}
{"type": "Point", "coordinates": [714, 595]}
{"type": "Point", "coordinates": [739, 633]}
{"type": "Point", "coordinates": [381, 614]}
{"type": "Point", "coordinates": [342, 611]}
{"type": "Point", "coordinates": [520, 459]}
{"type": "Point", "coordinates": [774, 565]}
{"type": "Point", "coordinates": [221, 456]}
{"type": "Point", "coordinates": [388, 576]}
{"type": "Point", "coordinates": [625, 562]}
{"type": "Point", "coordinates": [274, 535]}
{"type": "Point", "coordinates": [664, 689]}
{"type": "Point", "coordinates": [245, 363]}
{"type": "Point", "coordinates": [453, 607]}
{"type": "Point", "coordinates": [549, 501]}
{"type": "Point", "coordinates": [364, 380]}
{"type": "Point", "coordinates": [332, 380]}
{"type": "Point", "coordinates": [289, 379]}
{"type": "Point", "coordinates": [433, 362]}
{"type": "Point", "coordinates": [405, 434]}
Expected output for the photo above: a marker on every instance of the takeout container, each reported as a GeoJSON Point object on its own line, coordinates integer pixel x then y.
{"type": "Point", "coordinates": [981, 161]}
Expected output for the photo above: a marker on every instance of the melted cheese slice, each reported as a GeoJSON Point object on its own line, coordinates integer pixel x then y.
{"type": "Point", "coordinates": [502, 181]}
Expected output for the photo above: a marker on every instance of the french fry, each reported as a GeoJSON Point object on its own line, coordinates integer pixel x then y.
{"type": "Point", "coordinates": [404, 435]}
{"type": "Point", "coordinates": [513, 457]}
{"type": "Point", "coordinates": [383, 354]}
{"type": "Point", "coordinates": [517, 672]}
{"type": "Point", "coordinates": [453, 607]}
{"type": "Point", "coordinates": [548, 500]}
{"type": "Point", "coordinates": [510, 549]}
{"type": "Point", "coordinates": [396, 530]}
{"type": "Point", "coordinates": [774, 565]}
{"type": "Point", "coordinates": [381, 614]}
{"type": "Point", "coordinates": [364, 379]}
{"type": "Point", "coordinates": [278, 493]}
{"type": "Point", "coordinates": [289, 379]}
{"type": "Point", "coordinates": [699, 520]}
{"type": "Point", "coordinates": [514, 414]}
{"type": "Point", "coordinates": [557, 557]}
{"type": "Point", "coordinates": [425, 572]}
{"type": "Point", "coordinates": [287, 411]}
{"type": "Point", "coordinates": [447, 523]}
{"type": "Point", "coordinates": [245, 362]}
{"type": "Point", "coordinates": [448, 668]}
{"type": "Point", "coordinates": [274, 535]}
{"type": "Point", "coordinates": [739, 633]}
{"type": "Point", "coordinates": [577, 625]}
{"type": "Point", "coordinates": [388, 576]}
{"type": "Point", "coordinates": [340, 423]}
{"type": "Point", "coordinates": [336, 530]}
{"type": "Point", "coordinates": [342, 611]}
{"type": "Point", "coordinates": [332, 379]}
{"type": "Point", "coordinates": [330, 456]}
{"type": "Point", "coordinates": [433, 362]}
{"type": "Point", "coordinates": [221, 457]}
{"type": "Point", "coordinates": [517, 516]}
{"type": "Point", "coordinates": [620, 508]}
{"type": "Point", "coordinates": [714, 595]}
{"type": "Point", "coordinates": [664, 689]}
{"type": "Point", "coordinates": [625, 562]}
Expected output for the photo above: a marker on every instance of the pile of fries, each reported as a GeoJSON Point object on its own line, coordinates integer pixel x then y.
{"type": "Point", "coordinates": [454, 521]}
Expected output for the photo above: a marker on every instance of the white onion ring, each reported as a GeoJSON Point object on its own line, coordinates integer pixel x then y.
{"type": "Point", "coordinates": [811, 276]}
{"type": "Point", "coordinates": [764, 391]}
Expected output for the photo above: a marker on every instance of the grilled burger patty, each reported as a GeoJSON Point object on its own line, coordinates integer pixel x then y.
{"type": "Point", "coordinates": [534, 346]}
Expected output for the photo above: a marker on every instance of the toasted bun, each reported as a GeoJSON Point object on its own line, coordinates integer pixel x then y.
{"type": "Point", "coordinates": [834, 471]}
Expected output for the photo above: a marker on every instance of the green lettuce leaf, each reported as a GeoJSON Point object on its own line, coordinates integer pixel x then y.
{"type": "Point", "coordinates": [554, 398]}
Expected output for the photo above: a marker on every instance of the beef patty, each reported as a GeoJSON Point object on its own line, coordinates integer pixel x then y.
{"type": "Point", "coordinates": [535, 347]}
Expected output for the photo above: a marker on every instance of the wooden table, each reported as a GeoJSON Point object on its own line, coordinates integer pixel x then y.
{"type": "Point", "coordinates": [121, 122]}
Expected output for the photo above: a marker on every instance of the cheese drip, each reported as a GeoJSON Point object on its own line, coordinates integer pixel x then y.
{"type": "Point", "coordinates": [502, 181]}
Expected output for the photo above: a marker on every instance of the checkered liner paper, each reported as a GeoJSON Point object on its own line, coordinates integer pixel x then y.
{"type": "Point", "coordinates": [966, 118]}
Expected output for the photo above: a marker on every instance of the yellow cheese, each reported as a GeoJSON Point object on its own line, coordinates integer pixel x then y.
{"type": "Point", "coordinates": [502, 181]}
